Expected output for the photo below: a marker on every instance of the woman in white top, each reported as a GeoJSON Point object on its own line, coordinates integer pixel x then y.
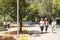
{"type": "Point", "coordinates": [53, 25]}
{"type": "Point", "coordinates": [5, 25]}
{"type": "Point", "coordinates": [42, 25]}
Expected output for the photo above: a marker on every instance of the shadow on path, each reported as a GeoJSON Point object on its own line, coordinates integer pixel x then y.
{"type": "Point", "coordinates": [34, 32]}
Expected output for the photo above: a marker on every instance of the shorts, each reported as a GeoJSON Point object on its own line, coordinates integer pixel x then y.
{"type": "Point", "coordinates": [54, 27]}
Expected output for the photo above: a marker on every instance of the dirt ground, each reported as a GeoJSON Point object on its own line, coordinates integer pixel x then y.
{"type": "Point", "coordinates": [8, 36]}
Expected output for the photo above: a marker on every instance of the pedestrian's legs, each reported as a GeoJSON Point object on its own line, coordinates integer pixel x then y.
{"type": "Point", "coordinates": [8, 25]}
{"type": "Point", "coordinates": [4, 27]}
{"type": "Point", "coordinates": [42, 29]}
{"type": "Point", "coordinates": [52, 29]}
{"type": "Point", "coordinates": [46, 29]}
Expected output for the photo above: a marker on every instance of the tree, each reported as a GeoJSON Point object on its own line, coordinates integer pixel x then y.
{"type": "Point", "coordinates": [56, 7]}
{"type": "Point", "coordinates": [4, 7]}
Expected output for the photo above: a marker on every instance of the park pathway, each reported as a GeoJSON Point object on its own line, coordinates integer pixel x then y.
{"type": "Point", "coordinates": [46, 36]}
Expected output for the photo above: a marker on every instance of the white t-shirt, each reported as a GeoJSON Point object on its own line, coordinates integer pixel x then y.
{"type": "Point", "coordinates": [4, 23]}
{"type": "Point", "coordinates": [41, 23]}
{"type": "Point", "coordinates": [53, 23]}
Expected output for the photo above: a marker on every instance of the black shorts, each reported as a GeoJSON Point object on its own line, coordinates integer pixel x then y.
{"type": "Point", "coordinates": [42, 27]}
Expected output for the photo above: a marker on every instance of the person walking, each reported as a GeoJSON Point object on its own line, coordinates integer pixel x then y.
{"type": "Point", "coordinates": [53, 26]}
{"type": "Point", "coordinates": [41, 25]}
{"type": "Point", "coordinates": [46, 23]}
{"type": "Point", "coordinates": [5, 25]}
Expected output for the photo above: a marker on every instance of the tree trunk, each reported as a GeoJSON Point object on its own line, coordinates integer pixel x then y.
{"type": "Point", "coordinates": [20, 21]}
{"type": "Point", "coordinates": [20, 14]}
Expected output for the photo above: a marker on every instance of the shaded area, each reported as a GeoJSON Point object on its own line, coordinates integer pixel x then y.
{"type": "Point", "coordinates": [33, 32]}
{"type": "Point", "coordinates": [11, 33]}
{"type": "Point", "coordinates": [7, 38]}
{"type": "Point", "coordinates": [37, 35]}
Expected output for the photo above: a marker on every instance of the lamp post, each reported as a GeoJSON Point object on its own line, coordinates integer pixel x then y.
{"type": "Point", "coordinates": [17, 19]}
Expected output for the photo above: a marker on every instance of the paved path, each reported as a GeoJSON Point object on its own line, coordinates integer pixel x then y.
{"type": "Point", "coordinates": [45, 36]}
